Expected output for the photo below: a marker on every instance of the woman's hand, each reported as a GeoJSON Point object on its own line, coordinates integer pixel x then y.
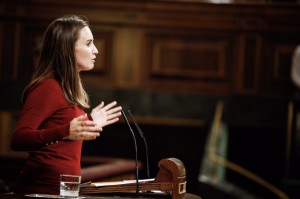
{"type": "Point", "coordinates": [83, 129]}
{"type": "Point", "coordinates": [106, 115]}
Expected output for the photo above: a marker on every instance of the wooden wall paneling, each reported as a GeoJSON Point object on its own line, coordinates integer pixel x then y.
{"type": "Point", "coordinates": [1, 38]}
{"type": "Point", "coordinates": [278, 77]}
{"type": "Point", "coordinates": [278, 51]}
{"type": "Point", "coordinates": [1, 48]}
{"type": "Point", "coordinates": [282, 63]}
{"type": "Point", "coordinates": [128, 53]}
{"type": "Point", "coordinates": [231, 30]}
{"type": "Point", "coordinates": [188, 60]}
{"type": "Point", "coordinates": [280, 37]}
{"type": "Point", "coordinates": [10, 43]}
{"type": "Point", "coordinates": [249, 55]}
{"type": "Point", "coordinates": [282, 18]}
{"type": "Point", "coordinates": [5, 130]}
{"type": "Point", "coordinates": [30, 41]}
{"type": "Point", "coordinates": [16, 48]}
{"type": "Point", "coordinates": [8, 120]}
{"type": "Point", "coordinates": [96, 11]}
{"type": "Point", "coordinates": [47, 11]}
{"type": "Point", "coordinates": [191, 16]}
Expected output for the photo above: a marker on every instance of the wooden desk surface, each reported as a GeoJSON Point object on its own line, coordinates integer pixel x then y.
{"type": "Point", "coordinates": [152, 196]}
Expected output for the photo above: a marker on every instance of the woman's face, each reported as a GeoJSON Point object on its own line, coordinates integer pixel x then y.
{"type": "Point", "coordinates": [85, 50]}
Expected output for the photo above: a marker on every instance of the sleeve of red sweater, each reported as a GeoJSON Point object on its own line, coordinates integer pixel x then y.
{"type": "Point", "coordinates": [41, 103]}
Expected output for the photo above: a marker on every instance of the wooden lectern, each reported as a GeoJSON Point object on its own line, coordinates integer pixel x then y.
{"type": "Point", "coordinates": [171, 180]}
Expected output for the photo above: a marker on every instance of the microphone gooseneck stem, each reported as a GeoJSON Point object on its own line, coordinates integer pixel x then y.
{"type": "Point", "coordinates": [136, 153]}
{"type": "Point", "coordinates": [144, 139]}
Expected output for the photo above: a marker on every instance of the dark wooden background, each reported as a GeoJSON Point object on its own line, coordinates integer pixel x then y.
{"type": "Point", "coordinates": [169, 62]}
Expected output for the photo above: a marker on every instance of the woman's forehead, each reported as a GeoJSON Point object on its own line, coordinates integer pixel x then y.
{"type": "Point", "coordinates": [85, 34]}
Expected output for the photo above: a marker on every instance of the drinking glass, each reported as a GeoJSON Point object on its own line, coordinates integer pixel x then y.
{"type": "Point", "coordinates": [69, 185]}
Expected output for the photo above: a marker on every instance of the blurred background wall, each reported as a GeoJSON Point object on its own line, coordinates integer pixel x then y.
{"type": "Point", "coordinates": [170, 62]}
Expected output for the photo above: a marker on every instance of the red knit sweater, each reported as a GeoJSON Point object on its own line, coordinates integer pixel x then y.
{"type": "Point", "coordinates": [44, 121]}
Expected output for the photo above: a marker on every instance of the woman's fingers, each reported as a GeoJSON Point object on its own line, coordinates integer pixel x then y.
{"type": "Point", "coordinates": [113, 116]}
{"type": "Point", "coordinates": [109, 106]}
{"type": "Point", "coordinates": [105, 115]}
{"type": "Point", "coordinates": [114, 110]}
{"type": "Point", "coordinates": [111, 121]}
{"type": "Point", "coordinates": [83, 129]}
{"type": "Point", "coordinates": [100, 106]}
{"type": "Point", "coordinates": [111, 111]}
{"type": "Point", "coordinates": [80, 118]}
{"type": "Point", "coordinates": [88, 126]}
{"type": "Point", "coordinates": [86, 136]}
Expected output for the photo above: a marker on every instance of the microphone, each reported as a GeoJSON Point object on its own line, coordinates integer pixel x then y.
{"type": "Point", "coordinates": [136, 153]}
{"type": "Point", "coordinates": [144, 139]}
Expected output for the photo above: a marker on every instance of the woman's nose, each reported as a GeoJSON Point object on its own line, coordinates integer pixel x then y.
{"type": "Point", "coordinates": [95, 50]}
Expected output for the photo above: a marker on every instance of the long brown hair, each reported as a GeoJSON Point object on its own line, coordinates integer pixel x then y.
{"type": "Point", "coordinates": [57, 59]}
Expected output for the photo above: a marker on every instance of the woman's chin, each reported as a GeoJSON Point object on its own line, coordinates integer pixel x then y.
{"type": "Point", "coordinates": [86, 68]}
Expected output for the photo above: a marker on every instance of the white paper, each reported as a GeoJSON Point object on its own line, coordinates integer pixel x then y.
{"type": "Point", "coordinates": [111, 183]}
